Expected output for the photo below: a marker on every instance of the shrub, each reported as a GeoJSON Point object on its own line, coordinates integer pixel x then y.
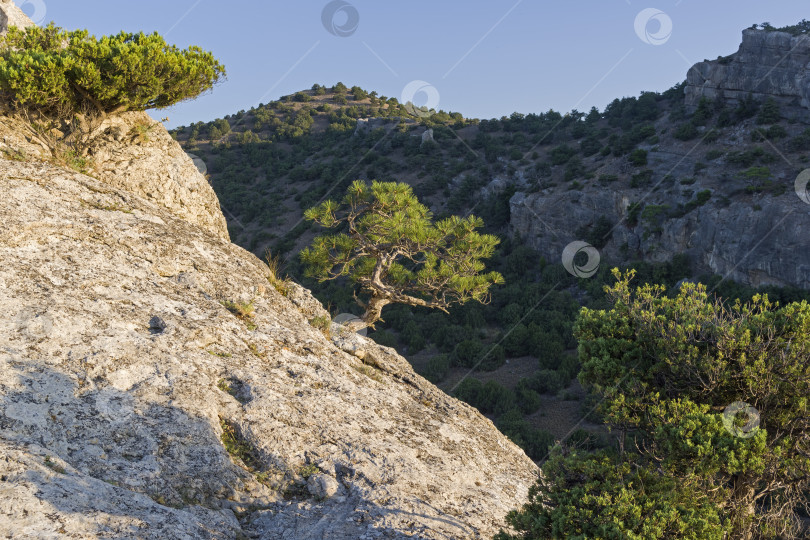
{"type": "Point", "coordinates": [467, 353]}
{"type": "Point", "coordinates": [800, 142]}
{"type": "Point", "coordinates": [517, 342]}
{"type": "Point", "coordinates": [528, 400]}
{"type": "Point", "coordinates": [545, 381]}
{"type": "Point", "coordinates": [495, 399]}
{"type": "Point", "coordinates": [644, 178]}
{"type": "Point", "coordinates": [686, 131]}
{"type": "Point", "coordinates": [590, 146]}
{"type": "Point", "coordinates": [495, 358]}
{"type": "Point", "coordinates": [468, 391]}
{"type": "Point", "coordinates": [607, 178]}
{"type": "Point", "coordinates": [437, 368]}
{"type": "Point", "coordinates": [638, 157]}
{"type": "Point", "coordinates": [52, 69]}
{"type": "Point", "coordinates": [75, 79]}
{"type": "Point", "coordinates": [769, 113]}
{"type": "Point", "coordinates": [561, 154]}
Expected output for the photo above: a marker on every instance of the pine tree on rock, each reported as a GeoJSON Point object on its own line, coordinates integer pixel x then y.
{"type": "Point", "coordinates": [393, 250]}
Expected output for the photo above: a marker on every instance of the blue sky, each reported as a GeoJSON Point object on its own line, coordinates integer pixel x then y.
{"type": "Point", "coordinates": [484, 59]}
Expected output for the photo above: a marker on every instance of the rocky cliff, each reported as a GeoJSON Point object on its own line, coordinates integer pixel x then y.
{"type": "Point", "coordinates": [157, 382]}
{"type": "Point", "coordinates": [767, 64]}
{"type": "Point", "coordinates": [753, 225]}
{"type": "Point", "coordinates": [757, 245]}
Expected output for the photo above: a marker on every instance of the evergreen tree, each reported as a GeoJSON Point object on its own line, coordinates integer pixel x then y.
{"type": "Point", "coordinates": [53, 69]}
{"type": "Point", "coordinates": [769, 113]}
{"type": "Point", "coordinates": [395, 252]}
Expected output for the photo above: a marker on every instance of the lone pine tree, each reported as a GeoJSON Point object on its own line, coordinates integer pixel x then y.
{"type": "Point", "coordinates": [392, 249]}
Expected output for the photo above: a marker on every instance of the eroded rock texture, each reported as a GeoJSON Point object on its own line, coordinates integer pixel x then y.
{"type": "Point", "coordinates": [120, 370]}
{"type": "Point", "coordinates": [767, 64]}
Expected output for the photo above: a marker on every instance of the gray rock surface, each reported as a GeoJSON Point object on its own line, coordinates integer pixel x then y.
{"type": "Point", "coordinates": [11, 15]}
{"type": "Point", "coordinates": [133, 152]}
{"type": "Point", "coordinates": [322, 486]}
{"type": "Point", "coordinates": [767, 64]}
{"type": "Point", "coordinates": [765, 246]}
{"type": "Point", "coordinates": [120, 371]}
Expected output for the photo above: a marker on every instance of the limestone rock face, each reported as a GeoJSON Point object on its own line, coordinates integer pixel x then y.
{"type": "Point", "coordinates": [137, 154]}
{"type": "Point", "coordinates": [11, 15]}
{"type": "Point", "coordinates": [133, 152]}
{"type": "Point", "coordinates": [767, 64]}
{"type": "Point", "coordinates": [121, 373]}
{"type": "Point", "coordinates": [756, 246]}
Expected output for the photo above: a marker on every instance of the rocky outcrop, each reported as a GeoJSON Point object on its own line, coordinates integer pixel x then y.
{"type": "Point", "coordinates": [752, 236]}
{"type": "Point", "coordinates": [767, 64]}
{"type": "Point", "coordinates": [122, 372]}
{"type": "Point", "coordinates": [756, 244]}
{"type": "Point", "coordinates": [133, 152]}
{"type": "Point", "coordinates": [11, 15]}
{"type": "Point", "coordinates": [130, 151]}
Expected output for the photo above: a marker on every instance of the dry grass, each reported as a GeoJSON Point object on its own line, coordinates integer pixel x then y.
{"type": "Point", "coordinates": [282, 285]}
{"type": "Point", "coordinates": [324, 324]}
{"type": "Point", "coordinates": [243, 311]}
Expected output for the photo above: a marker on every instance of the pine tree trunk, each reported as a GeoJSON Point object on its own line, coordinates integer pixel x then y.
{"type": "Point", "coordinates": [744, 507]}
{"type": "Point", "coordinates": [374, 308]}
